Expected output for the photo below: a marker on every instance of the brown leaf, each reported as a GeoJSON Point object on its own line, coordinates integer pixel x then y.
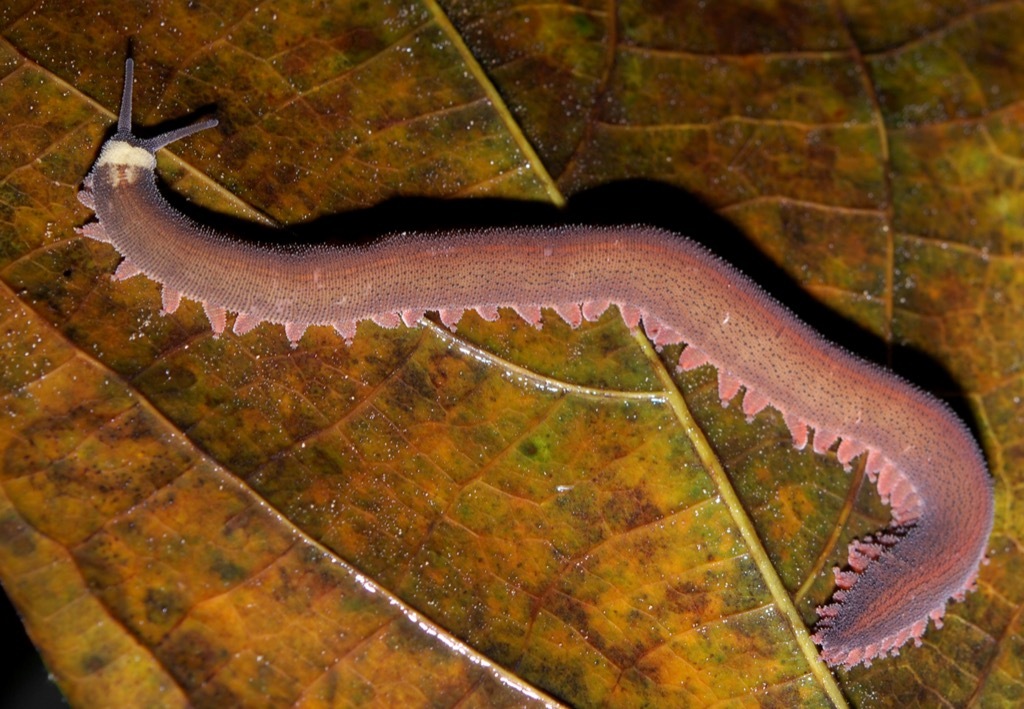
{"type": "Point", "coordinates": [499, 516]}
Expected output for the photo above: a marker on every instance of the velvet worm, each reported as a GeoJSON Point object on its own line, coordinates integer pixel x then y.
{"type": "Point", "coordinates": [925, 462]}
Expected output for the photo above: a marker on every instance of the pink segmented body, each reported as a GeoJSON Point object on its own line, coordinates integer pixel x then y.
{"type": "Point", "coordinates": [924, 460]}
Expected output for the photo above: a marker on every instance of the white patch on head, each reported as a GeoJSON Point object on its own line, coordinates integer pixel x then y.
{"type": "Point", "coordinates": [119, 154]}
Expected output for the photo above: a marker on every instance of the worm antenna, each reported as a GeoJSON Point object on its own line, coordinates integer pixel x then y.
{"type": "Point", "coordinates": [155, 143]}
{"type": "Point", "coordinates": [124, 118]}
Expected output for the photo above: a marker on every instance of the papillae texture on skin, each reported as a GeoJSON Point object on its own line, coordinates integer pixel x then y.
{"type": "Point", "coordinates": [924, 460]}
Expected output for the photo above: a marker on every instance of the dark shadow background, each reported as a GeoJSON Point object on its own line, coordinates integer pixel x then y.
{"type": "Point", "coordinates": [23, 680]}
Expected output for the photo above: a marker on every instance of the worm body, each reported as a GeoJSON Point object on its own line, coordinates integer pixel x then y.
{"type": "Point", "coordinates": [924, 460]}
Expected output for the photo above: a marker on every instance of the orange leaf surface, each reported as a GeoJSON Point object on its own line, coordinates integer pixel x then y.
{"type": "Point", "coordinates": [499, 515]}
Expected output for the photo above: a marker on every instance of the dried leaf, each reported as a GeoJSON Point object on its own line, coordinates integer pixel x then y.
{"type": "Point", "coordinates": [499, 516]}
